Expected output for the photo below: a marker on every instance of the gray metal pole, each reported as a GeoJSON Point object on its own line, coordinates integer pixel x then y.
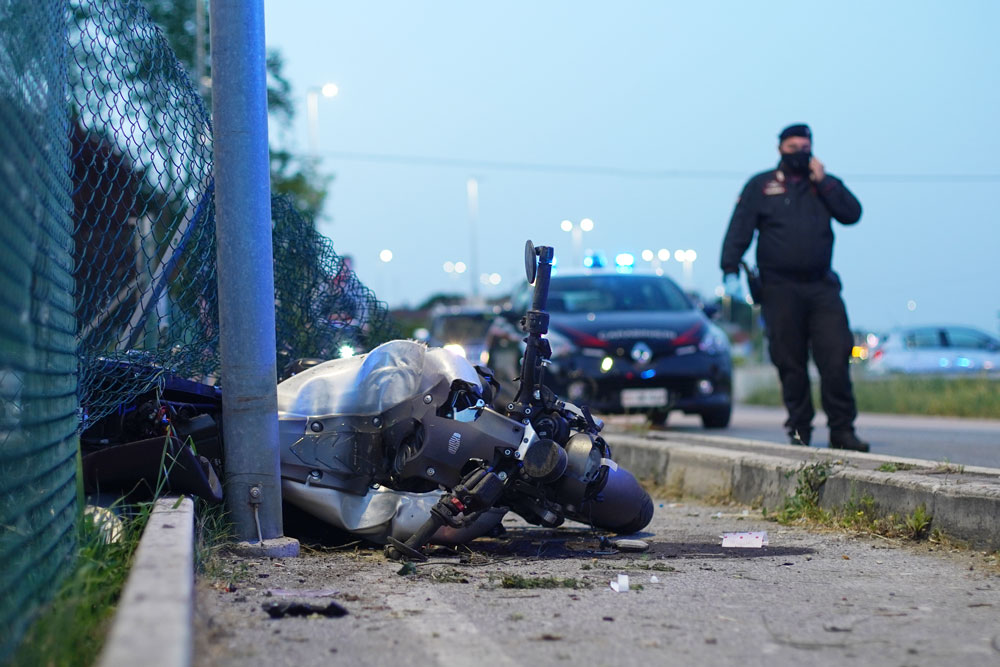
{"type": "Point", "coordinates": [245, 268]}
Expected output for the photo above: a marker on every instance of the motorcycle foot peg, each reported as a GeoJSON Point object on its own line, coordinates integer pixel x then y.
{"type": "Point", "coordinates": [397, 550]}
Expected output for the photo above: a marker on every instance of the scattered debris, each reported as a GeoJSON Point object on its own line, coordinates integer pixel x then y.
{"type": "Point", "coordinates": [408, 568]}
{"type": "Point", "coordinates": [283, 609]}
{"type": "Point", "coordinates": [830, 627]}
{"type": "Point", "coordinates": [630, 545]}
{"type": "Point", "coordinates": [751, 540]}
{"type": "Point", "coordinates": [302, 593]}
{"type": "Point", "coordinates": [654, 579]}
{"type": "Point", "coordinates": [517, 581]}
{"type": "Point", "coordinates": [620, 586]}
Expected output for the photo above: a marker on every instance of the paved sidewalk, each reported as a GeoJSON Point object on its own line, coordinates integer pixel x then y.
{"type": "Point", "coordinates": [701, 615]}
{"type": "Point", "coordinates": [824, 599]}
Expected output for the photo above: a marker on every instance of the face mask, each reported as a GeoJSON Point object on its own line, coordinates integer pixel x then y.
{"type": "Point", "coordinates": [796, 163]}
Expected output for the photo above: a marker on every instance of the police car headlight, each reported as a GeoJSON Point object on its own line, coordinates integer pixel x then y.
{"type": "Point", "coordinates": [715, 341]}
{"type": "Point", "coordinates": [456, 349]}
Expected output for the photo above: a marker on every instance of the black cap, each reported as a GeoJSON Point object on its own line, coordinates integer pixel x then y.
{"type": "Point", "coordinates": [798, 130]}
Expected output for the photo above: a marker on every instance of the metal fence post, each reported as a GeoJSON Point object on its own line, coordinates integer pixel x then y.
{"type": "Point", "coordinates": [245, 269]}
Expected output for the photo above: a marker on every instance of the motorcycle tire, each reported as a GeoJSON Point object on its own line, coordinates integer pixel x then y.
{"type": "Point", "coordinates": [623, 506]}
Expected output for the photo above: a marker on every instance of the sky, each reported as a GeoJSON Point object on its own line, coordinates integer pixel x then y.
{"type": "Point", "coordinates": [648, 118]}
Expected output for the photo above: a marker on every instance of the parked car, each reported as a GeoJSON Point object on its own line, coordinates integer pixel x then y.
{"type": "Point", "coordinates": [935, 349]}
{"type": "Point", "coordinates": [623, 343]}
{"type": "Point", "coordinates": [462, 330]}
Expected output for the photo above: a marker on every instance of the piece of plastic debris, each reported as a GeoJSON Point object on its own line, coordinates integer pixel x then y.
{"type": "Point", "coordinates": [408, 568]}
{"type": "Point", "coordinates": [751, 540]}
{"type": "Point", "coordinates": [630, 545]}
{"type": "Point", "coordinates": [654, 579]}
{"type": "Point", "coordinates": [717, 515]}
{"type": "Point", "coordinates": [302, 593]}
{"type": "Point", "coordinates": [620, 586]}
{"type": "Point", "coordinates": [282, 609]}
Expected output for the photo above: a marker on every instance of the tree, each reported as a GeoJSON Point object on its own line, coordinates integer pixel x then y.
{"type": "Point", "coordinates": [295, 176]}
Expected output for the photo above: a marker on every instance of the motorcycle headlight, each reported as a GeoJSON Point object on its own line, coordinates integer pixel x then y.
{"type": "Point", "coordinates": [715, 341]}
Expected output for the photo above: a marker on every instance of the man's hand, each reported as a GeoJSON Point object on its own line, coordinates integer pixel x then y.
{"type": "Point", "coordinates": [734, 290]}
{"type": "Point", "coordinates": [816, 170]}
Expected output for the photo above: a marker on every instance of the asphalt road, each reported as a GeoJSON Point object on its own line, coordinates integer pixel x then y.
{"type": "Point", "coordinates": [952, 439]}
{"type": "Point", "coordinates": [822, 599]}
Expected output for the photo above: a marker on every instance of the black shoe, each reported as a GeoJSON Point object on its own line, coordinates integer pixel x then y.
{"type": "Point", "coordinates": [848, 440]}
{"type": "Point", "coordinates": [800, 437]}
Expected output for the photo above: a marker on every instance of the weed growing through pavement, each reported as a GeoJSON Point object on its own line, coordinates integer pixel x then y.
{"type": "Point", "coordinates": [891, 466]}
{"type": "Point", "coordinates": [859, 515]}
{"type": "Point", "coordinates": [947, 468]}
{"type": "Point", "coordinates": [508, 580]}
{"type": "Point", "coordinates": [804, 503]}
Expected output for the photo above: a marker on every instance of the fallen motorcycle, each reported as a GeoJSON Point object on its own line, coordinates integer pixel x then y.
{"type": "Point", "coordinates": [405, 446]}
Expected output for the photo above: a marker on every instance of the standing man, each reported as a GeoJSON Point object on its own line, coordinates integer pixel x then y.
{"type": "Point", "coordinates": [790, 209]}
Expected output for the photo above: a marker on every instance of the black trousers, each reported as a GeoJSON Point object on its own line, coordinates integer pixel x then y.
{"type": "Point", "coordinates": [804, 316]}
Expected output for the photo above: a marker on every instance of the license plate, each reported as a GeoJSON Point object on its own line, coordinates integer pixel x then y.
{"type": "Point", "coordinates": [645, 398]}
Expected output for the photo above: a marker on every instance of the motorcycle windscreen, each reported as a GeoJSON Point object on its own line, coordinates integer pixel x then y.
{"type": "Point", "coordinates": [373, 383]}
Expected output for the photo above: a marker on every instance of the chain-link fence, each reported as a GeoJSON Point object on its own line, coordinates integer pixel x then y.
{"type": "Point", "coordinates": [107, 260]}
{"type": "Point", "coordinates": [38, 416]}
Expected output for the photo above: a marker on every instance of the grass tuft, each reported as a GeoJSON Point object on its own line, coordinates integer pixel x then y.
{"type": "Point", "coordinates": [915, 395]}
{"type": "Point", "coordinates": [70, 629]}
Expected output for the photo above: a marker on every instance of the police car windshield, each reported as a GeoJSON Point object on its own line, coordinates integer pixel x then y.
{"type": "Point", "coordinates": [596, 294]}
{"type": "Point", "coordinates": [458, 328]}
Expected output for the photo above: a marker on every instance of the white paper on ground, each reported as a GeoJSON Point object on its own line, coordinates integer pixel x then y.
{"type": "Point", "coordinates": [752, 540]}
{"type": "Point", "coordinates": [620, 586]}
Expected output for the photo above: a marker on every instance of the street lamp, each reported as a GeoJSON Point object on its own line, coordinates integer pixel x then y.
{"type": "Point", "coordinates": [327, 90]}
{"type": "Point", "coordinates": [656, 259]}
{"type": "Point", "coordinates": [687, 257]}
{"type": "Point", "coordinates": [454, 267]}
{"type": "Point", "coordinates": [577, 231]}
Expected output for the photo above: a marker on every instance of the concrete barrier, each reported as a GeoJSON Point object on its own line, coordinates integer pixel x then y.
{"type": "Point", "coordinates": [964, 502]}
{"type": "Point", "coordinates": [152, 625]}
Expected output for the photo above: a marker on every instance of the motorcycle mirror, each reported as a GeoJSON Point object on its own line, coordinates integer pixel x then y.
{"type": "Point", "coordinates": [530, 261]}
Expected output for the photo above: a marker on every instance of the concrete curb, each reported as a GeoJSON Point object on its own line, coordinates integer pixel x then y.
{"type": "Point", "coordinates": [153, 623]}
{"type": "Point", "coordinates": [963, 501]}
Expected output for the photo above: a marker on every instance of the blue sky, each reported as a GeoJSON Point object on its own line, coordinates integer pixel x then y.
{"type": "Point", "coordinates": [648, 117]}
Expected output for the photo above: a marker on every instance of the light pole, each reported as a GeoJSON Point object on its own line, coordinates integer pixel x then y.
{"type": "Point", "coordinates": [472, 196]}
{"type": "Point", "coordinates": [385, 256]}
{"type": "Point", "coordinates": [656, 259]}
{"type": "Point", "coordinates": [577, 231]}
{"type": "Point", "coordinates": [328, 90]}
{"type": "Point", "coordinates": [687, 257]}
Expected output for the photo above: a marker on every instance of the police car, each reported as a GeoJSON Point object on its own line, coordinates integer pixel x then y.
{"type": "Point", "coordinates": [624, 343]}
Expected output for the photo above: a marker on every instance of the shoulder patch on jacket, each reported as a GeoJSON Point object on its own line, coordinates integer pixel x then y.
{"type": "Point", "coordinates": [774, 187]}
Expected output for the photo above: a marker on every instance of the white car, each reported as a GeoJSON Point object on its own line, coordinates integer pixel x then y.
{"type": "Point", "coordinates": [936, 349]}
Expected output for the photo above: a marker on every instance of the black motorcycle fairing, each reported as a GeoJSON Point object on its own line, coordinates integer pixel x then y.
{"type": "Point", "coordinates": [448, 444]}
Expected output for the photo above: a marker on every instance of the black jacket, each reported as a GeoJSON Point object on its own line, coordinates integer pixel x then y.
{"type": "Point", "coordinates": [792, 218]}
